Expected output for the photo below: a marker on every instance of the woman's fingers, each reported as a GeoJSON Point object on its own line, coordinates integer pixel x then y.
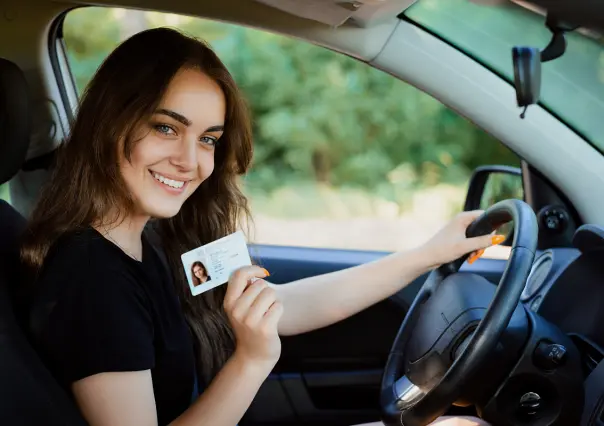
{"type": "Point", "coordinates": [261, 305]}
{"type": "Point", "coordinates": [475, 256]}
{"type": "Point", "coordinates": [246, 300]}
{"type": "Point", "coordinates": [238, 283]}
{"type": "Point", "coordinates": [272, 316]}
{"type": "Point", "coordinates": [466, 218]}
{"type": "Point", "coordinates": [483, 241]}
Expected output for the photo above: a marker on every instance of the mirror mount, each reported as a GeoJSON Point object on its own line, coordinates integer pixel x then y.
{"type": "Point", "coordinates": [557, 45]}
{"type": "Point", "coordinates": [527, 62]}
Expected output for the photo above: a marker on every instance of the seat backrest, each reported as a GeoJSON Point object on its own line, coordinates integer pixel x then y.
{"type": "Point", "coordinates": [29, 395]}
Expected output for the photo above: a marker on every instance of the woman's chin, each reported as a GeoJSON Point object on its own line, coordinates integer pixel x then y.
{"type": "Point", "coordinates": [163, 212]}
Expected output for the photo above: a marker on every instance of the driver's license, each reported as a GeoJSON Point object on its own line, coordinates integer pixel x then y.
{"type": "Point", "coordinates": [211, 265]}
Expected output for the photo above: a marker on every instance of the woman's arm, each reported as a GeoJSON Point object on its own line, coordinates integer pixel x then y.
{"type": "Point", "coordinates": [126, 398]}
{"type": "Point", "coordinates": [228, 397]}
{"type": "Point", "coordinates": [319, 301]}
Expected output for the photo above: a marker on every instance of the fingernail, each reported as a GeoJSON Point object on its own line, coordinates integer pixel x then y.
{"type": "Point", "coordinates": [266, 272]}
{"type": "Point", "coordinates": [497, 239]}
{"type": "Point", "coordinates": [474, 256]}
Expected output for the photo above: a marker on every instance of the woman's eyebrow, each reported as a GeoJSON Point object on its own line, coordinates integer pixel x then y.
{"type": "Point", "coordinates": [176, 116]}
{"type": "Point", "coordinates": [219, 128]}
{"type": "Point", "coordinates": [184, 120]}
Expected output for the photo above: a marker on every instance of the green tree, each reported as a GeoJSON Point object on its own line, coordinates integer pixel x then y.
{"type": "Point", "coordinates": [318, 116]}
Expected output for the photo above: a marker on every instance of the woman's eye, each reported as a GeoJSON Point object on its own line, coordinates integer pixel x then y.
{"type": "Point", "coordinates": [165, 129]}
{"type": "Point", "coordinates": [208, 140]}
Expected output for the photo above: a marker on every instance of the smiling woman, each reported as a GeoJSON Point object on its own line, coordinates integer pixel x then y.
{"type": "Point", "coordinates": [167, 145]}
{"type": "Point", "coordinates": [170, 141]}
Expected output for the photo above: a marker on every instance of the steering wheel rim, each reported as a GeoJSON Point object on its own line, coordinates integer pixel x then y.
{"type": "Point", "coordinates": [402, 402]}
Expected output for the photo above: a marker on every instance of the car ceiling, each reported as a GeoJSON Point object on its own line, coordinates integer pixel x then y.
{"type": "Point", "coordinates": [584, 13]}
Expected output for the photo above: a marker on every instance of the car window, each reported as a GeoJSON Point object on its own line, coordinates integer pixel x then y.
{"type": "Point", "coordinates": [572, 86]}
{"type": "Point", "coordinates": [346, 156]}
{"type": "Point", "coordinates": [4, 194]}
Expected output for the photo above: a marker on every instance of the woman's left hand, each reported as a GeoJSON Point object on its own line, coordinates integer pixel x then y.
{"type": "Point", "coordinates": [451, 243]}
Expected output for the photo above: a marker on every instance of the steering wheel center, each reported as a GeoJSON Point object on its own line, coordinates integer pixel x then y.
{"type": "Point", "coordinates": [447, 319]}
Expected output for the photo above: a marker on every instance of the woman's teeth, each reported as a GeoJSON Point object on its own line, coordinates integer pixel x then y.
{"type": "Point", "coordinates": [170, 182]}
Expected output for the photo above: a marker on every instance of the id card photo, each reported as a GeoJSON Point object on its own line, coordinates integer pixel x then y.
{"type": "Point", "coordinates": [211, 265]}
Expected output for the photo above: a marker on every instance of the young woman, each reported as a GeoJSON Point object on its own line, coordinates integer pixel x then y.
{"type": "Point", "coordinates": [161, 136]}
{"type": "Point", "coordinates": [199, 273]}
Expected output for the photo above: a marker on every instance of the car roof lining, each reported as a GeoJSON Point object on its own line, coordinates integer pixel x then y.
{"type": "Point", "coordinates": [334, 13]}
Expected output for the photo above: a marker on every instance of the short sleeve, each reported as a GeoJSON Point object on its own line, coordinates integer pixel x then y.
{"type": "Point", "coordinates": [100, 323]}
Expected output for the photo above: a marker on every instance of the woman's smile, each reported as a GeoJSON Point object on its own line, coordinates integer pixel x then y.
{"type": "Point", "coordinates": [172, 185]}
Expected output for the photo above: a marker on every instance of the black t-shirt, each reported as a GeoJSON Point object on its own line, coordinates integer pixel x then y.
{"type": "Point", "coordinates": [106, 312]}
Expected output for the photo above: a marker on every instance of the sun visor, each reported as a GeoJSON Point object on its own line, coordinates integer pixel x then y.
{"type": "Point", "coordinates": [334, 13]}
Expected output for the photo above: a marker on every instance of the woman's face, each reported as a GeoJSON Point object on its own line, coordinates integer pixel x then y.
{"type": "Point", "coordinates": [199, 273]}
{"type": "Point", "coordinates": [176, 153]}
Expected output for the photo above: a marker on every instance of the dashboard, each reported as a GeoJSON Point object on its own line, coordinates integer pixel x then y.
{"type": "Point", "coordinates": [566, 287]}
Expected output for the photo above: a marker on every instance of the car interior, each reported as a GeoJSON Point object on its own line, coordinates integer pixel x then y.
{"type": "Point", "coordinates": [517, 341]}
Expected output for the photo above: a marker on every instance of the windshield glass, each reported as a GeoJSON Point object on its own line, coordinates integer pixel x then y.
{"type": "Point", "coordinates": [572, 87]}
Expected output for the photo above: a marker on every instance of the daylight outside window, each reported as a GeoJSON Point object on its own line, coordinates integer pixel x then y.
{"type": "Point", "coordinates": [346, 156]}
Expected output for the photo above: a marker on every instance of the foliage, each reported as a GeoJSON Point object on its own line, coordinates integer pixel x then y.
{"type": "Point", "coordinates": [4, 194]}
{"type": "Point", "coordinates": [318, 116]}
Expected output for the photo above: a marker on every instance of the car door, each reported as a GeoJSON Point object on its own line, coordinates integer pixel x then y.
{"type": "Point", "coordinates": [332, 376]}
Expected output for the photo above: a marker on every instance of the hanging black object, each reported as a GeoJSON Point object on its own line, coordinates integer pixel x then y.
{"type": "Point", "coordinates": [527, 63]}
{"type": "Point", "coordinates": [527, 76]}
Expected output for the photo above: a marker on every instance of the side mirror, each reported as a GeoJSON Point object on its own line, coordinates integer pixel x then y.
{"type": "Point", "coordinates": [491, 184]}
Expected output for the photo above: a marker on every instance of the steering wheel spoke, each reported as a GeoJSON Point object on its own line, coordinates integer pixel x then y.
{"type": "Point", "coordinates": [407, 393]}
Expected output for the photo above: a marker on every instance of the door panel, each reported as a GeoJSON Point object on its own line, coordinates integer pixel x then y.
{"type": "Point", "coordinates": [332, 376]}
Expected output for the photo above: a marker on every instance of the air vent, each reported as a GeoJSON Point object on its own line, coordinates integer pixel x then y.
{"type": "Point", "coordinates": [537, 276]}
{"type": "Point", "coordinates": [591, 353]}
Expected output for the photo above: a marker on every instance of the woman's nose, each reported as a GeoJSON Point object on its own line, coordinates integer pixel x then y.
{"type": "Point", "coordinates": [185, 156]}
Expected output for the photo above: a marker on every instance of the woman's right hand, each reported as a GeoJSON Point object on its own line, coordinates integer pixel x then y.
{"type": "Point", "coordinates": [254, 313]}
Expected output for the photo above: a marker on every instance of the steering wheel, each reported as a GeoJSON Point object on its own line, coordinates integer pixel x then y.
{"type": "Point", "coordinates": [439, 345]}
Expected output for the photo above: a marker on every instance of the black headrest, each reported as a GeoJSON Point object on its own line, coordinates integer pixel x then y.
{"type": "Point", "coordinates": [15, 119]}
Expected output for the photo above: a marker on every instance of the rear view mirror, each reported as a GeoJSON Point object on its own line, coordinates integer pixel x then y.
{"type": "Point", "coordinates": [527, 62]}
{"type": "Point", "coordinates": [491, 184]}
{"type": "Point", "coordinates": [527, 75]}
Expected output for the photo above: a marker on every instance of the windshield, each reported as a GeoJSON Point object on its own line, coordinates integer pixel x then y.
{"type": "Point", "coordinates": [572, 86]}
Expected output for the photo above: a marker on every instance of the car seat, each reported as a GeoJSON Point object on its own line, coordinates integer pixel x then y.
{"type": "Point", "coordinates": [29, 395]}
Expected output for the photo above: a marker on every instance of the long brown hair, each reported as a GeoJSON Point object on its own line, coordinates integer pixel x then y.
{"type": "Point", "coordinates": [86, 184]}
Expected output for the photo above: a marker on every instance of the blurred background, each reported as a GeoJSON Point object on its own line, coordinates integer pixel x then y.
{"type": "Point", "coordinates": [346, 156]}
